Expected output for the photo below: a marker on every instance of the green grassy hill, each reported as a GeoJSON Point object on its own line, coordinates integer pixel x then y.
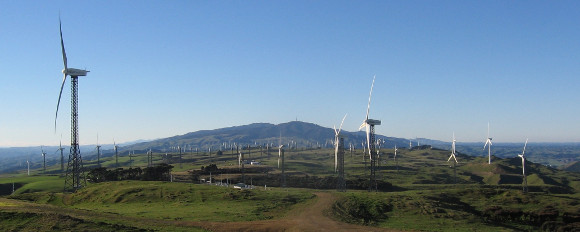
{"type": "Point", "coordinates": [418, 192]}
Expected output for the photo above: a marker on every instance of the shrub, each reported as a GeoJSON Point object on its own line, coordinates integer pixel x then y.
{"type": "Point", "coordinates": [361, 210]}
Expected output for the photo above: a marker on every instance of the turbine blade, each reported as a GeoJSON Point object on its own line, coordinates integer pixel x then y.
{"type": "Point", "coordinates": [369, 140]}
{"type": "Point", "coordinates": [362, 125]}
{"type": "Point", "coordinates": [336, 155]}
{"type": "Point", "coordinates": [62, 46]}
{"type": "Point", "coordinates": [524, 151]}
{"type": "Point", "coordinates": [370, 94]}
{"type": "Point", "coordinates": [340, 128]}
{"type": "Point", "coordinates": [58, 103]}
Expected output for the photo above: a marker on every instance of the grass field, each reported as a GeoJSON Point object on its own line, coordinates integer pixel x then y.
{"type": "Point", "coordinates": [425, 197]}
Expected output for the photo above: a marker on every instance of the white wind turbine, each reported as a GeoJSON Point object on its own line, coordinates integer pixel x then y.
{"type": "Point", "coordinates": [337, 142]}
{"type": "Point", "coordinates": [75, 175]}
{"type": "Point", "coordinates": [280, 146]}
{"type": "Point", "coordinates": [369, 125]}
{"type": "Point", "coordinates": [525, 181]}
{"type": "Point", "coordinates": [281, 157]}
{"type": "Point", "coordinates": [43, 158]}
{"type": "Point", "coordinates": [453, 156]}
{"type": "Point", "coordinates": [488, 141]}
{"type": "Point", "coordinates": [240, 160]}
{"type": "Point", "coordinates": [60, 148]}
{"type": "Point", "coordinates": [28, 169]}
{"type": "Point", "coordinates": [395, 158]}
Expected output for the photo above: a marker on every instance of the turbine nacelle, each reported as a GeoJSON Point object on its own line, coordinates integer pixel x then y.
{"type": "Point", "coordinates": [373, 122]}
{"type": "Point", "coordinates": [73, 72]}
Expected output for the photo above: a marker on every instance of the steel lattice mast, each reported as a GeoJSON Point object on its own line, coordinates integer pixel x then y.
{"type": "Point", "coordinates": [341, 182]}
{"type": "Point", "coordinates": [373, 158]}
{"type": "Point", "coordinates": [75, 175]}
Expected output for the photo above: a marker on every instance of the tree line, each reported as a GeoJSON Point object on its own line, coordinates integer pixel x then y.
{"type": "Point", "coordinates": [160, 172]}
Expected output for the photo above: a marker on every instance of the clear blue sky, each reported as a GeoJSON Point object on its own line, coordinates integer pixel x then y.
{"type": "Point", "coordinates": [163, 68]}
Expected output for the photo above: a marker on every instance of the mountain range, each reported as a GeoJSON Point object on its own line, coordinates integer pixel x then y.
{"type": "Point", "coordinates": [301, 134]}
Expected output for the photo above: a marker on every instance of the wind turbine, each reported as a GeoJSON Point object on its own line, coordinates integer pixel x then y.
{"type": "Point", "coordinates": [280, 145]}
{"type": "Point", "coordinates": [453, 156]}
{"type": "Point", "coordinates": [240, 160]}
{"type": "Point", "coordinates": [525, 183]}
{"type": "Point", "coordinates": [369, 125]}
{"type": "Point", "coordinates": [338, 138]}
{"type": "Point", "coordinates": [28, 168]}
{"type": "Point", "coordinates": [75, 176]}
{"type": "Point", "coordinates": [150, 158]}
{"type": "Point", "coordinates": [339, 157]}
{"type": "Point", "coordinates": [60, 148]}
{"type": "Point", "coordinates": [281, 156]}
{"type": "Point", "coordinates": [395, 158]}
{"type": "Point", "coordinates": [43, 158]}
{"type": "Point", "coordinates": [488, 141]}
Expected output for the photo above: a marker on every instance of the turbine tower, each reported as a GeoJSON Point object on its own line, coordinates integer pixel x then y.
{"type": "Point", "coordinates": [75, 175]}
{"type": "Point", "coordinates": [60, 148]}
{"type": "Point", "coordinates": [116, 153]}
{"type": "Point", "coordinates": [525, 180]}
{"type": "Point", "coordinates": [339, 157]}
{"type": "Point", "coordinates": [369, 125]}
{"type": "Point", "coordinates": [150, 158]}
{"type": "Point", "coordinates": [28, 167]}
{"type": "Point", "coordinates": [98, 152]}
{"type": "Point", "coordinates": [488, 141]}
{"type": "Point", "coordinates": [453, 156]}
{"type": "Point", "coordinates": [43, 159]}
{"type": "Point", "coordinates": [241, 166]}
{"type": "Point", "coordinates": [281, 157]}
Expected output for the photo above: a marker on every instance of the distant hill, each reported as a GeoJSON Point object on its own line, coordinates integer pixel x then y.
{"type": "Point", "coordinates": [302, 134]}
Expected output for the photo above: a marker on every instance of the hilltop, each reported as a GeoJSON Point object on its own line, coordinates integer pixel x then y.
{"type": "Point", "coordinates": [573, 167]}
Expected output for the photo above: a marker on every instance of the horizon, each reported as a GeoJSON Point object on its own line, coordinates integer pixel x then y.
{"type": "Point", "coordinates": [414, 140]}
{"type": "Point", "coordinates": [160, 69]}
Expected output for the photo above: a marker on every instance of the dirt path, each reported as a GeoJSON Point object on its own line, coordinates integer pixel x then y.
{"type": "Point", "coordinates": [307, 218]}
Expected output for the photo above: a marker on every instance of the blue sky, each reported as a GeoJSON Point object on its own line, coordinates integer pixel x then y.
{"type": "Point", "coordinates": [163, 68]}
